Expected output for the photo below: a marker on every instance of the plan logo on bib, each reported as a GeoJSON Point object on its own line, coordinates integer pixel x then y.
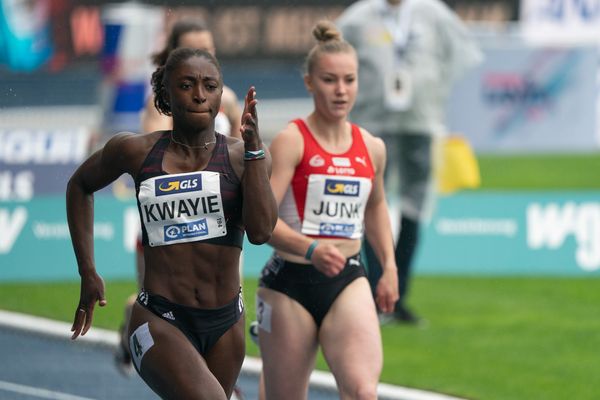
{"type": "Point", "coordinates": [335, 229]}
{"type": "Point", "coordinates": [186, 230]}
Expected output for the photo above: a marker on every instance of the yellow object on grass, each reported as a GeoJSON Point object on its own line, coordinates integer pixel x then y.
{"type": "Point", "coordinates": [458, 168]}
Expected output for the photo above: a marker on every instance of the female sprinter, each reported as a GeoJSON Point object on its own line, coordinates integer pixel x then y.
{"type": "Point", "coordinates": [197, 192]}
{"type": "Point", "coordinates": [328, 182]}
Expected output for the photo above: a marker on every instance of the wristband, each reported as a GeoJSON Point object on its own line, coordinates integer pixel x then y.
{"type": "Point", "coordinates": [250, 155]}
{"type": "Point", "coordinates": [311, 249]}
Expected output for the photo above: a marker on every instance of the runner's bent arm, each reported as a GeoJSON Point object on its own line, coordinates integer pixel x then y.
{"type": "Point", "coordinates": [259, 208]}
{"type": "Point", "coordinates": [100, 169]}
{"type": "Point", "coordinates": [286, 150]}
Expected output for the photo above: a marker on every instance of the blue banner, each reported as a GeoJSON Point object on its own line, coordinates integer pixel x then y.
{"type": "Point", "coordinates": [480, 233]}
{"type": "Point", "coordinates": [35, 244]}
{"type": "Point", "coordinates": [508, 233]}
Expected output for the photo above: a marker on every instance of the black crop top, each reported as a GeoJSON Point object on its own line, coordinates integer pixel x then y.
{"type": "Point", "coordinates": [163, 198]}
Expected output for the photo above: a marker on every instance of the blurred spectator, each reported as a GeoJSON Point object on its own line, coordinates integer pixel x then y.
{"type": "Point", "coordinates": [192, 33]}
{"type": "Point", "coordinates": [410, 53]}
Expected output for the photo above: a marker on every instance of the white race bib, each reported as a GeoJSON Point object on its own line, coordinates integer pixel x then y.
{"type": "Point", "coordinates": [335, 206]}
{"type": "Point", "coordinates": [182, 208]}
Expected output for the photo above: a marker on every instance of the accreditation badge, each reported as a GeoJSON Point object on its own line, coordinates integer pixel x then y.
{"type": "Point", "coordinates": [398, 89]}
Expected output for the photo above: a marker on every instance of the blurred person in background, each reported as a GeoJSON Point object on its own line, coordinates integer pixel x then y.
{"type": "Point", "coordinates": [186, 330]}
{"type": "Point", "coordinates": [410, 54]}
{"type": "Point", "coordinates": [191, 33]}
{"type": "Point", "coordinates": [328, 182]}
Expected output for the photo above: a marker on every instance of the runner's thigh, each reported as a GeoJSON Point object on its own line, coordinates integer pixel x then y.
{"type": "Point", "coordinates": [288, 345]}
{"type": "Point", "coordinates": [167, 361]}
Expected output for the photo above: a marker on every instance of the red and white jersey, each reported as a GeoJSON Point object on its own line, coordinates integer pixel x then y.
{"type": "Point", "coordinates": [329, 192]}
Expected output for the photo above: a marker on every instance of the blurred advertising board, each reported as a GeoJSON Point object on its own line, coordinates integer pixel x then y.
{"type": "Point", "coordinates": [35, 244]}
{"type": "Point", "coordinates": [513, 233]}
{"type": "Point", "coordinates": [79, 31]}
{"type": "Point", "coordinates": [125, 61]}
{"type": "Point", "coordinates": [36, 162]}
{"type": "Point", "coordinates": [561, 21]}
{"type": "Point", "coordinates": [483, 233]}
{"type": "Point", "coordinates": [35, 166]}
{"type": "Point", "coordinates": [65, 33]}
{"type": "Point", "coordinates": [25, 40]}
{"type": "Point", "coordinates": [526, 98]}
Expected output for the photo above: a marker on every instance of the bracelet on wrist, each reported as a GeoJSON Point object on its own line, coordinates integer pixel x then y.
{"type": "Point", "coordinates": [311, 249]}
{"type": "Point", "coordinates": [251, 155]}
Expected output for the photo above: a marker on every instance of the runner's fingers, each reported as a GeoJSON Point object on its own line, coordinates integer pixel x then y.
{"type": "Point", "coordinates": [385, 304]}
{"type": "Point", "coordinates": [78, 322]}
{"type": "Point", "coordinates": [249, 99]}
{"type": "Point", "coordinates": [386, 300]}
{"type": "Point", "coordinates": [252, 108]}
{"type": "Point", "coordinates": [101, 300]}
{"type": "Point", "coordinates": [89, 314]}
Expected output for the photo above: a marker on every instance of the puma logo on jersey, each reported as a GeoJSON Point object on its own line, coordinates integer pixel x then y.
{"type": "Point", "coordinates": [362, 160]}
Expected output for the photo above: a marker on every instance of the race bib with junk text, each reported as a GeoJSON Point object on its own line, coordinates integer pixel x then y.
{"type": "Point", "coordinates": [335, 206]}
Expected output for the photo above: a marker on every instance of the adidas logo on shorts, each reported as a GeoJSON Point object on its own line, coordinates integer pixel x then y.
{"type": "Point", "coordinates": [169, 315]}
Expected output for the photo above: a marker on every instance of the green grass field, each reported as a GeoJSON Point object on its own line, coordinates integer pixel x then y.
{"type": "Point", "coordinates": [486, 338]}
{"type": "Point", "coordinates": [540, 172]}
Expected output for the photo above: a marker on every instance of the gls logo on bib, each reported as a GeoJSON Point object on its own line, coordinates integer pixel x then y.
{"type": "Point", "coordinates": [342, 188]}
{"type": "Point", "coordinates": [174, 185]}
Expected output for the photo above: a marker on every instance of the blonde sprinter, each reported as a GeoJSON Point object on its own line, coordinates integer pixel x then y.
{"type": "Point", "coordinates": [328, 183]}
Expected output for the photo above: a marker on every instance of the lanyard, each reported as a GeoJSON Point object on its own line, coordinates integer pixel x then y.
{"type": "Point", "coordinates": [397, 23]}
{"type": "Point", "coordinates": [396, 20]}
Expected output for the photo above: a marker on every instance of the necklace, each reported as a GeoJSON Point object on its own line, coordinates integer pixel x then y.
{"type": "Point", "coordinates": [202, 146]}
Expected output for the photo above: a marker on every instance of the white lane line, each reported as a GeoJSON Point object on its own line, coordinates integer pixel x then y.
{"type": "Point", "coordinates": [324, 380]}
{"type": "Point", "coordinates": [37, 392]}
{"type": "Point", "coordinates": [57, 329]}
